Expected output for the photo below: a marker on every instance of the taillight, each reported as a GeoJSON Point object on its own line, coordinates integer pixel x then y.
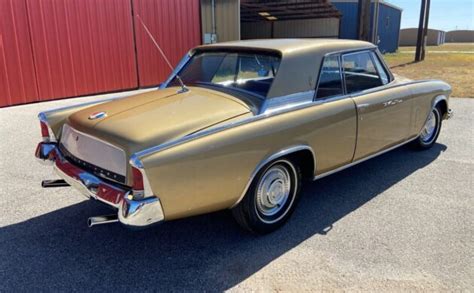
{"type": "Point", "coordinates": [44, 131]}
{"type": "Point", "coordinates": [137, 180]}
{"type": "Point", "coordinates": [140, 185]}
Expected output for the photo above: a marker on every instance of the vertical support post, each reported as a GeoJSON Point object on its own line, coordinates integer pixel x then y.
{"type": "Point", "coordinates": [419, 41]}
{"type": "Point", "coordinates": [375, 23]}
{"type": "Point", "coordinates": [272, 31]}
{"type": "Point", "coordinates": [340, 28]}
{"type": "Point", "coordinates": [425, 31]}
{"type": "Point", "coordinates": [364, 20]}
{"type": "Point", "coordinates": [213, 21]}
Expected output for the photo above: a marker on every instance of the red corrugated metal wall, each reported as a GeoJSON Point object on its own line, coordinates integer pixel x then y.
{"type": "Point", "coordinates": [17, 74]}
{"type": "Point", "coordinates": [82, 46]}
{"type": "Point", "coordinates": [176, 26]}
{"type": "Point", "coordinates": [63, 48]}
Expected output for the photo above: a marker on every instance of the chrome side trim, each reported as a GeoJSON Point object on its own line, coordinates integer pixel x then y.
{"type": "Point", "coordinates": [216, 129]}
{"type": "Point", "coordinates": [361, 160]}
{"type": "Point", "coordinates": [279, 154]}
{"type": "Point", "coordinates": [287, 102]}
{"type": "Point", "coordinates": [258, 117]}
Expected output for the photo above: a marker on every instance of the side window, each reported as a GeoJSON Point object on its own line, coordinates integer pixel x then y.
{"type": "Point", "coordinates": [360, 72]}
{"type": "Point", "coordinates": [383, 74]}
{"type": "Point", "coordinates": [330, 83]}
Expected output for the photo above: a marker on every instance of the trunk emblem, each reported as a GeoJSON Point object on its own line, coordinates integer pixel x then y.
{"type": "Point", "coordinates": [97, 115]}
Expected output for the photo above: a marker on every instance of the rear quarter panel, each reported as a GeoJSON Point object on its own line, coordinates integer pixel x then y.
{"type": "Point", "coordinates": [211, 172]}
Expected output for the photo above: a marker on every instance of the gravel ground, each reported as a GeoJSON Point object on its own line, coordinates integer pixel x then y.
{"type": "Point", "coordinates": [401, 221]}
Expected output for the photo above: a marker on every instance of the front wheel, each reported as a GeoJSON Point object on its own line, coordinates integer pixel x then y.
{"type": "Point", "coordinates": [271, 198]}
{"type": "Point", "coordinates": [430, 131]}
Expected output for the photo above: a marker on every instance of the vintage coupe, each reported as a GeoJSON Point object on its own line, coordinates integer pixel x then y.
{"type": "Point", "coordinates": [240, 126]}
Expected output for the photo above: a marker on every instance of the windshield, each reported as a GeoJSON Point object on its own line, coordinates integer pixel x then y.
{"type": "Point", "coordinates": [250, 72]}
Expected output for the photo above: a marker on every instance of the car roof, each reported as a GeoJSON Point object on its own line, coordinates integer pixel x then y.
{"type": "Point", "coordinates": [300, 62]}
{"type": "Point", "coordinates": [294, 45]}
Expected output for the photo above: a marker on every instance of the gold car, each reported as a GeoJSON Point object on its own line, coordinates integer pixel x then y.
{"type": "Point", "coordinates": [240, 126]}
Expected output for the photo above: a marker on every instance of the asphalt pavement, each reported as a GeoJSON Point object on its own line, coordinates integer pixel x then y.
{"type": "Point", "coordinates": [401, 221]}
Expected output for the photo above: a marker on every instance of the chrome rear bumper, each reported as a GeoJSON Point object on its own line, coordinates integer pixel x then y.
{"type": "Point", "coordinates": [133, 213]}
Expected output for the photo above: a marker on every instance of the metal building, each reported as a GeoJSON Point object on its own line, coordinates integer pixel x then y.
{"type": "Point", "coordinates": [384, 25]}
{"type": "Point", "coordinates": [220, 20]}
{"type": "Point", "coordinates": [289, 19]}
{"type": "Point", "coordinates": [54, 49]}
{"type": "Point", "coordinates": [409, 36]}
{"type": "Point", "coordinates": [460, 36]}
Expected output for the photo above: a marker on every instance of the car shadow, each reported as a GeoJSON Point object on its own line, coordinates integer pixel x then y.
{"type": "Point", "coordinates": [56, 251]}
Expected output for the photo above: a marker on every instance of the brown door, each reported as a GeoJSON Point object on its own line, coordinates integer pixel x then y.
{"type": "Point", "coordinates": [384, 112]}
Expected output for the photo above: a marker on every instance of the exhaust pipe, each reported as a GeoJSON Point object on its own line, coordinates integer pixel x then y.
{"type": "Point", "coordinates": [54, 183]}
{"type": "Point", "coordinates": [100, 220]}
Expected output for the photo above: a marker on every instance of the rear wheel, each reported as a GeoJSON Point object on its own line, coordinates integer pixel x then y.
{"type": "Point", "coordinates": [430, 131]}
{"type": "Point", "coordinates": [271, 198]}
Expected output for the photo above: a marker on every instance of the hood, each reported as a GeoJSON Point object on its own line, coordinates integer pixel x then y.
{"type": "Point", "coordinates": [138, 122]}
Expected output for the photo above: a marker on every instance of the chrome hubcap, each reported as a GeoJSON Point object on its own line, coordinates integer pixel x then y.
{"type": "Point", "coordinates": [273, 190]}
{"type": "Point", "coordinates": [429, 129]}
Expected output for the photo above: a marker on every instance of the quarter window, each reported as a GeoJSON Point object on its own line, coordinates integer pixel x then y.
{"type": "Point", "coordinates": [360, 72]}
{"type": "Point", "coordinates": [383, 74]}
{"type": "Point", "coordinates": [330, 82]}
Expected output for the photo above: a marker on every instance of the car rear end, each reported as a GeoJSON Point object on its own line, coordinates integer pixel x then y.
{"type": "Point", "coordinates": [99, 170]}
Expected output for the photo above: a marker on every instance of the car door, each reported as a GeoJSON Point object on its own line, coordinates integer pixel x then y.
{"type": "Point", "coordinates": [384, 112]}
{"type": "Point", "coordinates": [336, 114]}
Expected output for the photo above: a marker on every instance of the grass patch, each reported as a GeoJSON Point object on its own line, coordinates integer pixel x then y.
{"type": "Point", "coordinates": [457, 68]}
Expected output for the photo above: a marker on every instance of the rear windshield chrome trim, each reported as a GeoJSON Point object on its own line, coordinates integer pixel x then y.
{"type": "Point", "coordinates": [287, 102]}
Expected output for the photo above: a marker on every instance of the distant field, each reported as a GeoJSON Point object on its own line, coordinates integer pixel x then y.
{"type": "Point", "coordinates": [453, 63]}
{"type": "Point", "coordinates": [465, 47]}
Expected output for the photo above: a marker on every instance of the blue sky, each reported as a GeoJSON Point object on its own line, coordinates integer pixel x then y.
{"type": "Point", "coordinates": [444, 14]}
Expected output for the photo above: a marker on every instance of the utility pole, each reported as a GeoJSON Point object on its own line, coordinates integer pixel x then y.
{"type": "Point", "coordinates": [363, 29]}
{"type": "Point", "coordinates": [419, 41]}
{"type": "Point", "coordinates": [425, 32]}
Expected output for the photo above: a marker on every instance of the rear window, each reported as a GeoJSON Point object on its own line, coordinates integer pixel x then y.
{"type": "Point", "coordinates": [250, 72]}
